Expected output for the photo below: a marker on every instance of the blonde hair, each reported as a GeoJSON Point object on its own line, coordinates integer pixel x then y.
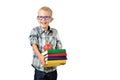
{"type": "Point", "coordinates": [45, 8]}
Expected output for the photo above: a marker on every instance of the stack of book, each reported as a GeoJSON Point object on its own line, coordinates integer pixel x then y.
{"type": "Point", "coordinates": [55, 57]}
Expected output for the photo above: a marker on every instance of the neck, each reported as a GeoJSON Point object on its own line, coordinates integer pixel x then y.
{"type": "Point", "coordinates": [46, 28]}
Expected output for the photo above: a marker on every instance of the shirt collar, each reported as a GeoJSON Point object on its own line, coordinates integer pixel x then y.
{"type": "Point", "coordinates": [49, 29]}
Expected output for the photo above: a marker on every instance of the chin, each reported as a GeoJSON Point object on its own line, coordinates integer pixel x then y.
{"type": "Point", "coordinates": [44, 26]}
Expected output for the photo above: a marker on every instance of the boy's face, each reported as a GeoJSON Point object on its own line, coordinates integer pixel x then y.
{"type": "Point", "coordinates": [44, 18]}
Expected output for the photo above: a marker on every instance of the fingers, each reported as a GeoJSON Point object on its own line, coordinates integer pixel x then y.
{"type": "Point", "coordinates": [43, 63]}
{"type": "Point", "coordinates": [45, 56]}
{"type": "Point", "coordinates": [44, 60]}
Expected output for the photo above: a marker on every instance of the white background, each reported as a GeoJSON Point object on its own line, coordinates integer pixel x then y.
{"type": "Point", "coordinates": [89, 30]}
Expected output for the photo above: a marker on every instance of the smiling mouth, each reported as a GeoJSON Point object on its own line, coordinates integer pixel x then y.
{"type": "Point", "coordinates": [44, 23]}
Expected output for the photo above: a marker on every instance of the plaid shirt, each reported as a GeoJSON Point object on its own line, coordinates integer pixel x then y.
{"type": "Point", "coordinates": [40, 37]}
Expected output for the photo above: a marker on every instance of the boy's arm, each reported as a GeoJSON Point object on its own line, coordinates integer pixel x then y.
{"type": "Point", "coordinates": [40, 56]}
{"type": "Point", "coordinates": [34, 42]}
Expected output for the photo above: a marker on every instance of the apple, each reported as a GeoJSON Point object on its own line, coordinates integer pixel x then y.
{"type": "Point", "coordinates": [47, 47]}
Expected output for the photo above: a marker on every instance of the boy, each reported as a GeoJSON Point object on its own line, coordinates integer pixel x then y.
{"type": "Point", "coordinates": [40, 36]}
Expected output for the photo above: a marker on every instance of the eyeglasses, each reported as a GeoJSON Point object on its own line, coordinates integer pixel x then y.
{"type": "Point", "coordinates": [43, 17]}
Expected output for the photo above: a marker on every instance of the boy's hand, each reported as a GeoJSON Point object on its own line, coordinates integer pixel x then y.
{"type": "Point", "coordinates": [42, 60]}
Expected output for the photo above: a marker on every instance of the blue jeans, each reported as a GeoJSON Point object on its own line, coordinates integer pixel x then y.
{"type": "Point", "coordinates": [39, 75]}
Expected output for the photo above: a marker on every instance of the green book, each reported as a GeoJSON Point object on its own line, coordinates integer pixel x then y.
{"type": "Point", "coordinates": [54, 51]}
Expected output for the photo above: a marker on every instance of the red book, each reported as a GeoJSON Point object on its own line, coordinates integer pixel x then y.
{"type": "Point", "coordinates": [58, 54]}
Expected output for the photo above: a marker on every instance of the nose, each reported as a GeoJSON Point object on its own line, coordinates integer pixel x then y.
{"type": "Point", "coordinates": [44, 19]}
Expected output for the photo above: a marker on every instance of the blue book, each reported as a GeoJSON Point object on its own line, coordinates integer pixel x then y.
{"type": "Point", "coordinates": [57, 58]}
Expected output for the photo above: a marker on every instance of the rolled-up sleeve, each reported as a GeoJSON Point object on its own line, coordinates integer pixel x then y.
{"type": "Point", "coordinates": [33, 37]}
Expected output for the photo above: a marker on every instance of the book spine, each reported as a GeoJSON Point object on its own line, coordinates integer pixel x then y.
{"type": "Point", "coordinates": [58, 54]}
{"type": "Point", "coordinates": [53, 63]}
{"type": "Point", "coordinates": [57, 51]}
{"type": "Point", "coordinates": [57, 58]}
{"type": "Point", "coordinates": [56, 61]}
